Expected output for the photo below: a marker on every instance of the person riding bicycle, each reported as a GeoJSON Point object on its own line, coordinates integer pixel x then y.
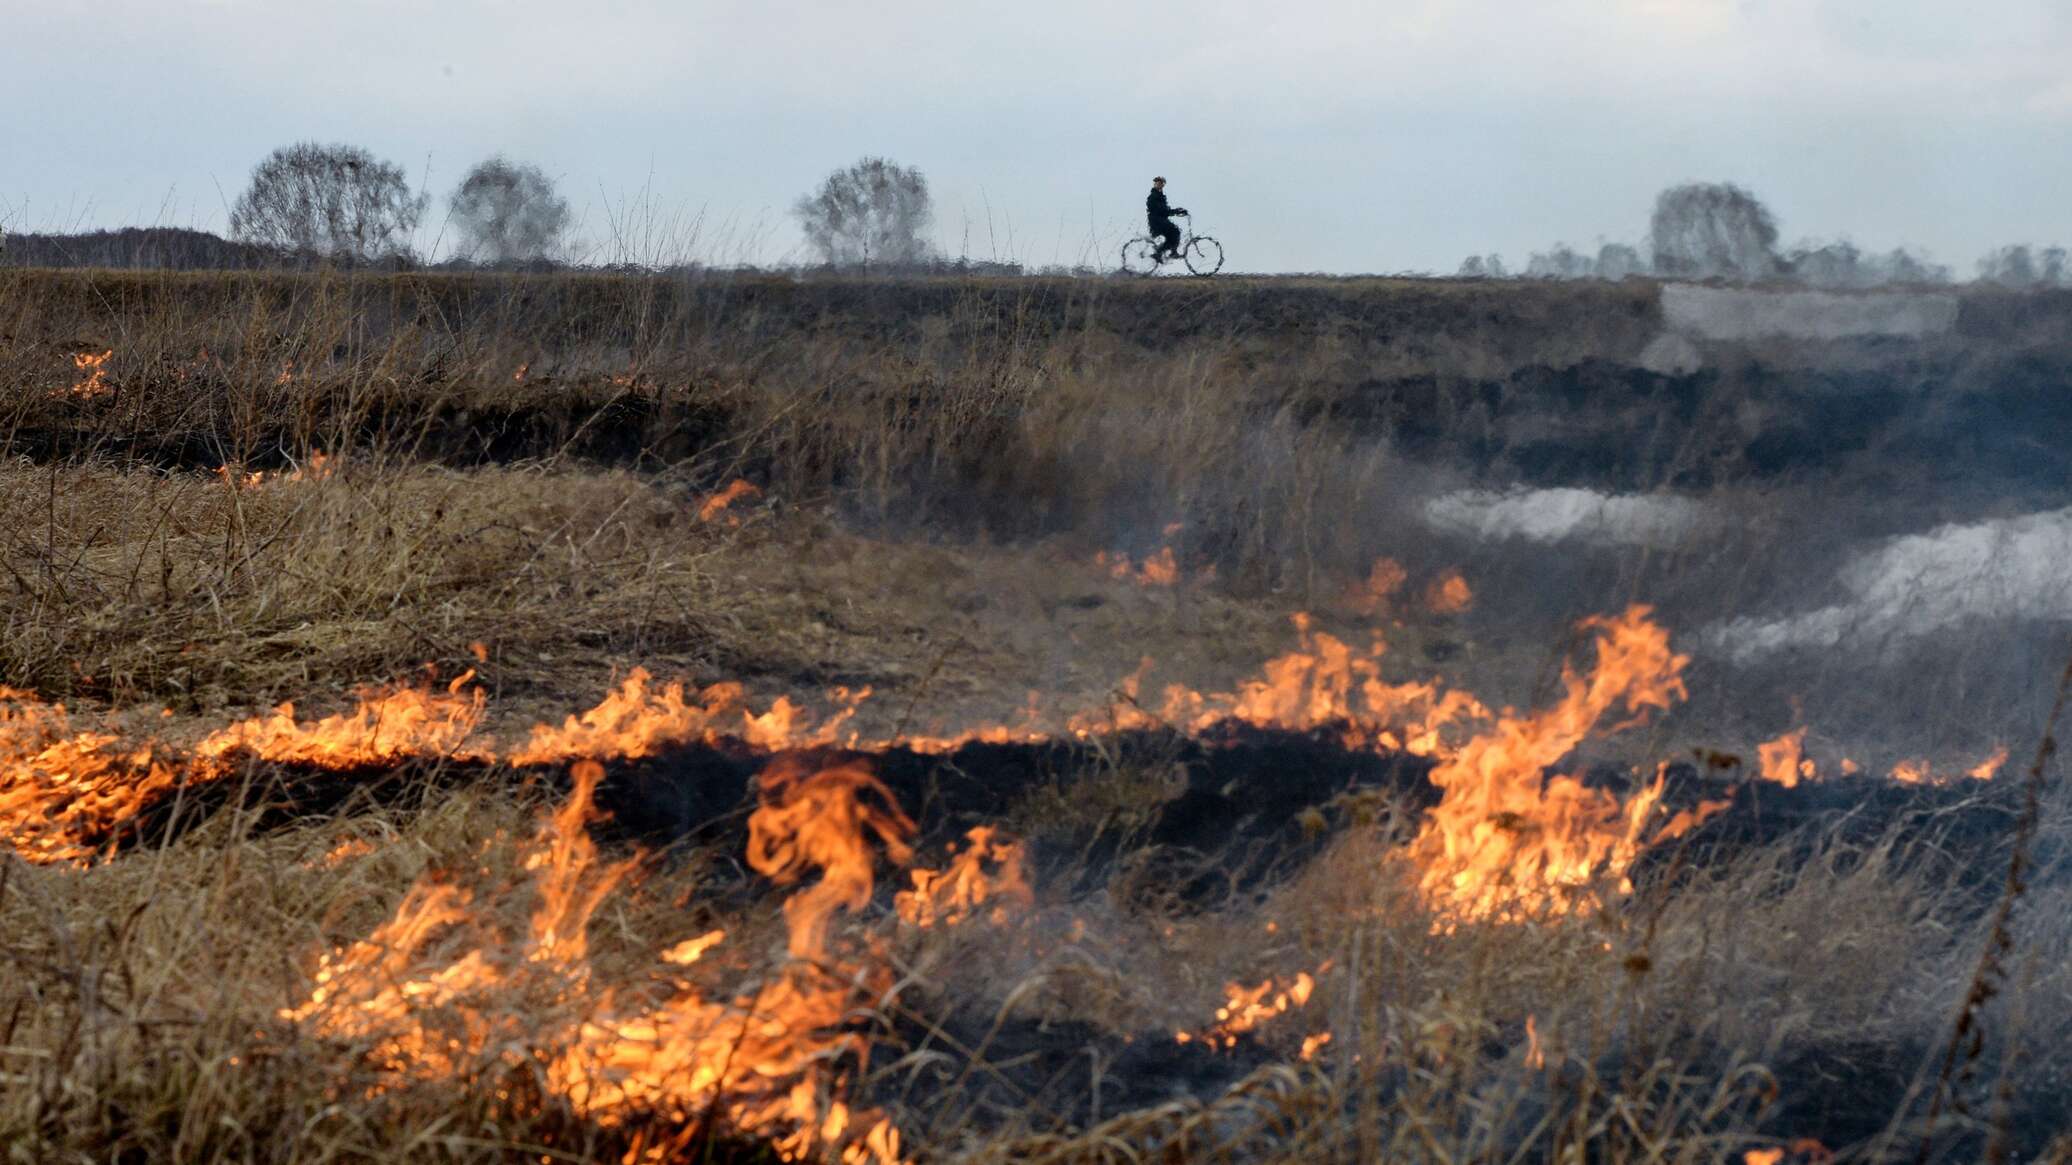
{"type": "Point", "coordinates": [1160, 214]}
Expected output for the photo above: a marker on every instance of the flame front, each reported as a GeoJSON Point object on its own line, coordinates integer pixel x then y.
{"type": "Point", "coordinates": [67, 796]}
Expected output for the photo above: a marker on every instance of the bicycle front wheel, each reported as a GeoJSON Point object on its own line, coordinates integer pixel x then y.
{"type": "Point", "coordinates": [1140, 256]}
{"type": "Point", "coordinates": [1204, 255]}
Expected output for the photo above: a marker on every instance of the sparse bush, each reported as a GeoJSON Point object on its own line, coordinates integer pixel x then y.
{"type": "Point", "coordinates": [508, 212]}
{"type": "Point", "coordinates": [873, 212]}
{"type": "Point", "coordinates": [1705, 230]}
{"type": "Point", "coordinates": [336, 201]}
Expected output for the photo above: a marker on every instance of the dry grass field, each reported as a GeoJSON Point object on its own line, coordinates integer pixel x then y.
{"type": "Point", "coordinates": [613, 719]}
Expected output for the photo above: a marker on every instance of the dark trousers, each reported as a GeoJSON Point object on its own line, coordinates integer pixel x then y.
{"type": "Point", "coordinates": [1170, 232]}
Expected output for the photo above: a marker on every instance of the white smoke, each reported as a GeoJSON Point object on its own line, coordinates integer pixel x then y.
{"type": "Point", "coordinates": [2014, 568]}
{"type": "Point", "coordinates": [1558, 515]}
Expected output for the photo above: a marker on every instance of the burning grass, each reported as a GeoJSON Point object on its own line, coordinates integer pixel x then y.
{"type": "Point", "coordinates": [554, 770]}
{"type": "Point", "coordinates": [1391, 977]}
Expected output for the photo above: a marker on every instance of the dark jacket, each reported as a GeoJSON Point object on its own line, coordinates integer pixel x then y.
{"type": "Point", "coordinates": [1158, 210]}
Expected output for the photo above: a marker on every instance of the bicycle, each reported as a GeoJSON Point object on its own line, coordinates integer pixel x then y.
{"type": "Point", "coordinates": [1202, 254]}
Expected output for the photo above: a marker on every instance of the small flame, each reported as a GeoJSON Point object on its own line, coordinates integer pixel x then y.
{"type": "Point", "coordinates": [1158, 570]}
{"type": "Point", "coordinates": [319, 467]}
{"type": "Point", "coordinates": [344, 852]}
{"type": "Point", "coordinates": [716, 504]}
{"type": "Point", "coordinates": [95, 377]}
{"type": "Point", "coordinates": [1372, 595]}
{"type": "Point", "coordinates": [1917, 771]}
{"type": "Point", "coordinates": [1989, 768]}
{"type": "Point", "coordinates": [1246, 1008]}
{"type": "Point", "coordinates": [1783, 761]}
{"type": "Point", "coordinates": [1449, 594]}
{"type": "Point", "coordinates": [951, 896]}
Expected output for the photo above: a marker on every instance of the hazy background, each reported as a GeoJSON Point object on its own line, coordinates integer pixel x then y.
{"type": "Point", "coordinates": [1311, 136]}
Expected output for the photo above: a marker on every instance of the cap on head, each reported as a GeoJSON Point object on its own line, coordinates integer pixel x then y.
{"type": "Point", "coordinates": [1158, 181]}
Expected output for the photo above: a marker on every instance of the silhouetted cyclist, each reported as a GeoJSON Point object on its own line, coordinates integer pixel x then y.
{"type": "Point", "coordinates": [1160, 215]}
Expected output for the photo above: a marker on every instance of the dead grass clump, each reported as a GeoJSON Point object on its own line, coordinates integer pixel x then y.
{"type": "Point", "coordinates": [200, 591]}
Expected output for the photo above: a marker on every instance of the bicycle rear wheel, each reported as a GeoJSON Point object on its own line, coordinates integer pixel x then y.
{"type": "Point", "coordinates": [1204, 255]}
{"type": "Point", "coordinates": [1140, 256]}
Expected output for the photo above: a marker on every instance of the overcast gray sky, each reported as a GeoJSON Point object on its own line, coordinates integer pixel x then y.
{"type": "Point", "coordinates": [1308, 135]}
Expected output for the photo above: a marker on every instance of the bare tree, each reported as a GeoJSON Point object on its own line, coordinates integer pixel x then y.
{"type": "Point", "coordinates": [1704, 229]}
{"type": "Point", "coordinates": [336, 201]}
{"type": "Point", "coordinates": [872, 212]}
{"type": "Point", "coordinates": [507, 212]}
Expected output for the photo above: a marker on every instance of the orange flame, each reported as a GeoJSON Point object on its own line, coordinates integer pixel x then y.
{"type": "Point", "coordinates": [1371, 596]}
{"type": "Point", "coordinates": [1783, 761]}
{"type": "Point", "coordinates": [1989, 768]}
{"type": "Point", "coordinates": [63, 793]}
{"type": "Point", "coordinates": [716, 504]}
{"type": "Point", "coordinates": [640, 719]}
{"type": "Point", "coordinates": [319, 467]}
{"type": "Point", "coordinates": [387, 726]}
{"type": "Point", "coordinates": [949, 897]}
{"type": "Point", "coordinates": [1324, 682]}
{"type": "Point", "coordinates": [344, 852]}
{"type": "Point", "coordinates": [1505, 842]}
{"type": "Point", "coordinates": [95, 383]}
{"type": "Point", "coordinates": [1920, 772]}
{"type": "Point", "coordinates": [1246, 1008]}
{"type": "Point", "coordinates": [1158, 570]}
{"type": "Point", "coordinates": [761, 1061]}
{"type": "Point", "coordinates": [1449, 594]}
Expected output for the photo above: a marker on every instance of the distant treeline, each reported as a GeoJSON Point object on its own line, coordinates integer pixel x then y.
{"type": "Point", "coordinates": [1717, 230]}
{"type": "Point", "coordinates": [167, 248]}
{"type": "Point", "coordinates": [181, 249]}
